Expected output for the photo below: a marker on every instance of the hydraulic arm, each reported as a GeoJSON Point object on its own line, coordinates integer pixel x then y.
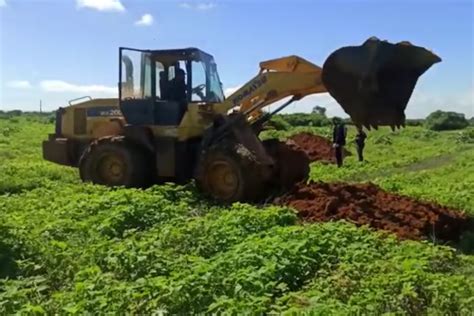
{"type": "Point", "coordinates": [278, 78]}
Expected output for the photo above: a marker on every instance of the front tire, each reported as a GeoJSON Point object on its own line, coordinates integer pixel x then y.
{"type": "Point", "coordinates": [227, 176]}
{"type": "Point", "coordinates": [115, 162]}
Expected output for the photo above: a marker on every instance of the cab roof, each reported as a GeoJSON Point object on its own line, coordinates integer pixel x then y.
{"type": "Point", "coordinates": [185, 53]}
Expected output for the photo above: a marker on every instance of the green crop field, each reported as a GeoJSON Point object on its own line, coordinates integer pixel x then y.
{"type": "Point", "coordinates": [73, 248]}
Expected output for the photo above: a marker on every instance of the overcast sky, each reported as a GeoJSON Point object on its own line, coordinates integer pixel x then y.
{"type": "Point", "coordinates": [57, 50]}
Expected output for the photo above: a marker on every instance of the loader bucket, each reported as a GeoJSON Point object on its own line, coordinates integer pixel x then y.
{"type": "Point", "coordinates": [374, 82]}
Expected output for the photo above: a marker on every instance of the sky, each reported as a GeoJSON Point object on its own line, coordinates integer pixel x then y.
{"type": "Point", "coordinates": [57, 50]}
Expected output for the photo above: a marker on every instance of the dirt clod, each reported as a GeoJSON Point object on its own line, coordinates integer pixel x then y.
{"type": "Point", "coordinates": [316, 147]}
{"type": "Point", "coordinates": [368, 204]}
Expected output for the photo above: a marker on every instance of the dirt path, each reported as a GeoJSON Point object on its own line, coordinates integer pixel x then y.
{"type": "Point", "coordinates": [424, 164]}
{"type": "Point", "coordinates": [430, 163]}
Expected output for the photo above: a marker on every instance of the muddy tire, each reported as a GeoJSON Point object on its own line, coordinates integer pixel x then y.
{"type": "Point", "coordinates": [227, 175]}
{"type": "Point", "coordinates": [115, 162]}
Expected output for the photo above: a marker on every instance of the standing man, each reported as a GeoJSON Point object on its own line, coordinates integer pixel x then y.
{"type": "Point", "coordinates": [360, 142]}
{"type": "Point", "coordinates": [339, 133]}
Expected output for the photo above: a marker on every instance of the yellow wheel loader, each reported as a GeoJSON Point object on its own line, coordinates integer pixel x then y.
{"type": "Point", "coordinates": [171, 121]}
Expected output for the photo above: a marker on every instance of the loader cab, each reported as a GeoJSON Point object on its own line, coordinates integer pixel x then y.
{"type": "Point", "coordinates": [156, 86]}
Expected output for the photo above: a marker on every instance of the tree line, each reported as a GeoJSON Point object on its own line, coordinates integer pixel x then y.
{"type": "Point", "coordinates": [436, 121]}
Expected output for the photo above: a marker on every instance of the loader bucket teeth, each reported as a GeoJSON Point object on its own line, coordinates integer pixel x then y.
{"type": "Point", "coordinates": [374, 82]}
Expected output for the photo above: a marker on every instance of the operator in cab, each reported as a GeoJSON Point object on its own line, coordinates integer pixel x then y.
{"type": "Point", "coordinates": [177, 86]}
{"type": "Point", "coordinates": [177, 90]}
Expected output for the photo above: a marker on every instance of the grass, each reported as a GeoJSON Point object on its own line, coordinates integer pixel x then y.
{"type": "Point", "coordinates": [68, 247]}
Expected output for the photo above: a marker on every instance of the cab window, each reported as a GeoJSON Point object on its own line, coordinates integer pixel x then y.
{"type": "Point", "coordinates": [198, 82]}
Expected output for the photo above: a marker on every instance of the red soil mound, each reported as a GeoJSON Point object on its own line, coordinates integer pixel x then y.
{"type": "Point", "coordinates": [316, 147]}
{"type": "Point", "coordinates": [367, 204]}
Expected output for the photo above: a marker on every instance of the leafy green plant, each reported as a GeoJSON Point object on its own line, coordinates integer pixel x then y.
{"type": "Point", "coordinates": [73, 248]}
{"type": "Point", "coordinates": [466, 136]}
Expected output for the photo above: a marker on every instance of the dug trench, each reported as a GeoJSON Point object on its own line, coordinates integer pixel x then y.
{"type": "Point", "coordinates": [368, 204]}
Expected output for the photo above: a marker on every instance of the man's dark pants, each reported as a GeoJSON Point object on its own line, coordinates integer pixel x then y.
{"type": "Point", "coordinates": [360, 152]}
{"type": "Point", "coordinates": [338, 152]}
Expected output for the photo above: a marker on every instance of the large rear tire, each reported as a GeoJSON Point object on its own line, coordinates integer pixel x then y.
{"type": "Point", "coordinates": [115, 162]}
{"type": "Point", "coordinates": [229, 175]}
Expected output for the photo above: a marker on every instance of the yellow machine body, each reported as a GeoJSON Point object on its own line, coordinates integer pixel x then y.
{"type": "Point", "coordinates": [277, 79]}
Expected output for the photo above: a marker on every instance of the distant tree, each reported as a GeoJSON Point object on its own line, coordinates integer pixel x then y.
{"type": "Point", "coordinates": [414, 122]}
{"type": "Point", "coordinates": [14, 112]}
{"type": "Point", "coordinates": [440, 121]}
{"type": "Point", "coordinates": [279, 123]}
{"type": "Point", "coordinates": [471, 121]}
{"type": "Point", "coordinates": [305, 119]}
{"type": "Point", "coordinates": [319, 110]}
